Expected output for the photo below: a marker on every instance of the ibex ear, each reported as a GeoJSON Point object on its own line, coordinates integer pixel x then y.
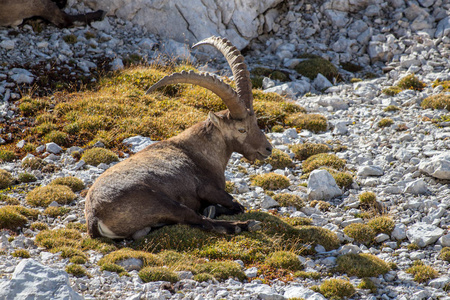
{"type": "Point", "coordinates": [215, 119]}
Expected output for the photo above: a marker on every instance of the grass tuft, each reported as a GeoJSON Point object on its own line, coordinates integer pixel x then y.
{"type": "Point", "coordinates": [74, 183]}
{"type": "Point", "coordinates": [312, 122]}
{"type": "Point", "coordinates": [337, 289]}
{"type": "Point", "coordinates": [271, 181]}
{"type": "Point", "coordinates": [323, 159]}
{"type": "Point", "coordinates": [439, 101]}
{"type": "Point", "coordinates": [361, 265]}
{"type": "Point", "coordinates": [43, 196]}
{"type": "Point", "coordinates": [303, 151]}
{"type": "Point", "coordinates": [361, 233]}
{"type": "Point", "coordinates": [6, 179]}
{"type": "Point", "coordinates": [284, 259]}
{"type": "Point", "coordinates": [287, 199]}
{"type": "Point", "coordinates": [149, 274]}
{"type": "Point", "coordinates": [96, 156]}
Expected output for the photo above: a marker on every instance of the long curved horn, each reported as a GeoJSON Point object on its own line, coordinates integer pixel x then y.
{"type": "Point", "coordinates": [238, 67]}
{"type": "Point", "coordinates": [212, 83]}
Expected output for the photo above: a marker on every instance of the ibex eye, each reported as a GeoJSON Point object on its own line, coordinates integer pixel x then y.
{"type": "Point", "coordinates": [242, 130]}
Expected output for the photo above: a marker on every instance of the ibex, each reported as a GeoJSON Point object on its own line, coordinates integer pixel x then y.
{"type": "Point", "coordinates": [13, 12]}
{"type": "Point", "coordinates": [173, 181]}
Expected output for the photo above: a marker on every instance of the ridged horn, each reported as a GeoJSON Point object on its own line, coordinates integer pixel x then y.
{"type": "Point", "coordinates": [212, 83]}
{"type": "Point", "coordinates": [238, 67]}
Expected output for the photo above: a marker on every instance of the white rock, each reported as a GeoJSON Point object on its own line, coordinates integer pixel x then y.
{"type": "Point", "coordinates": [416, 187]}
{"type": "Point", "coordinates": [423, 234]}
{"type": "Point", "coordinates": [381, 237]}
{"type": "Point", "coordinates": [322, 186]}
{"type": "Point", "coordinates": [8, 44]}
{"type": "Point", "coordinates": [321, 82]}
{"type": "Point", "coordinates": [336, 102]}
{"type": "Point", "coordinates": [443, 28]}
{"type": "Point", "coordinates": [251, 272]}
{"type": "Point", "coordinates": [269, 202]}
{"type": "Point", "coordinates": [131, 264]}
{"type": "Point", "coordinates": [263, 291]}
{"type": "Point", "coordinates": [370, 170]}
{"type": "Point", "coordinates": [22, 76]}
{"type": "Point", "coordinates": [31, 280]}
{"type": "Point", "coordinates": [439, 282]}
{"type": "Point", "coordinates": [138, 142]}
{"type": "Point", "coordinates": [340, 128]}
{"type": "Point", "coordinates": [445, 240]}
{"type": "Point", "coordinates": [302, 292]}
{"type": "Point", "coordinates": [117, 64]}
{"type": "Point", "coordinates": [399, 232]}
{"type": "Point", "coordinates": [53, 148]}
{"type": "Point", "coordinates": [438, 166]}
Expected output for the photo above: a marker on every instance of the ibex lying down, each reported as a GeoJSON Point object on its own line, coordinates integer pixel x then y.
{"type": "Point", "coordinates": [172, 181]}
{"type": "Point", "coordinates": [13, 12]}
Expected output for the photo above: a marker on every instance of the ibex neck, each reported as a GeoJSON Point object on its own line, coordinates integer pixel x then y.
{"type": "Point", "coordinates": [206, 145]}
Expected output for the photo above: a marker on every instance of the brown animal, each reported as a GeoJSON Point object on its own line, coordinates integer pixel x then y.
{"type": "Point", "coordinates": [13, 12]}
{"type": "Point", "coordinates": [172, 181]}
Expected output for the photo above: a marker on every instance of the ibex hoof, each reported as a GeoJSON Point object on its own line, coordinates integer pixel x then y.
{"type": "Point", "coordinates": [210, 212]}
{"type": "Point", "coordinates": [254, 225]}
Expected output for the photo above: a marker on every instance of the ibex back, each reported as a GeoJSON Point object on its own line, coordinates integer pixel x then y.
{"type": "Point", "coordinates": [13, 12]}
{"type": "Point", "coordinates": [172, 181]}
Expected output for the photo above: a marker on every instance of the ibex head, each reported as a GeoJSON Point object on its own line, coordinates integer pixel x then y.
{"type": "Point", "coordinates": [238, 124]}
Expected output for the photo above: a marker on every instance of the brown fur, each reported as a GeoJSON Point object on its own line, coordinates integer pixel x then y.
{"type": "Point", "coordinates": [171, 181]}
{"type": "Point", "coordinates": [13, 12]}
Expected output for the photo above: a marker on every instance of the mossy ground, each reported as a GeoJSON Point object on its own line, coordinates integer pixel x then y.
{"type": "Point", "coordinates": [43, 196]}
{"type": "Point", "coordinates": [117, 107]}
{"type": "Point", "coordinates": [303, 151]}
{"type": "Point", "coordinates": [323, 159]}
{"type": "Point", "coordinates": [13, 216]}
{"type": "Point", "coordinates": [361, 265]}
{"type": "Point", "coordinates": [271, 181]}
{"type": "Point", "coordinates": [313, 65]}
{"type": "Point", "coordinates": [422, 273]}
{"type": "Point", "coordinates": [337, 289]}
{"type": "Point", "coordinates": [439, 101]}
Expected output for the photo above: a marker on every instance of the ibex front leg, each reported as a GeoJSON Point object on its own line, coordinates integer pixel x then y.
{"type": "Point", "coordinates": [221, 203]}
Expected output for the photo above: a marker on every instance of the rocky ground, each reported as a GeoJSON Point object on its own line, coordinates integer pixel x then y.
{"type": "Point", "coordinates": [407, 164]}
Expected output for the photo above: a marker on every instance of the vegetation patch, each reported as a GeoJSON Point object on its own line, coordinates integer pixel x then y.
{"type": "Point", "coordinates": [313, 65]}
{"type": "Point", "coordinates": [337, 289]}
{"type": "Point", "coordinates": [382, 224]}
{"type": "Point", "coordinates": [303, 151]}
{"type": "Point", "coordinates": [392, 90]}
{"type": "Point", "coordinates": [312, 122]}
{"type": "Point", "coordinates": [9, 200]}
{"type": "Point", "coordinates": [344, 180]}
{"type": "Point", "coordinates": [6, 179]}
{"type": "Point", "coordinates": [23, 253]}
{"type": "Point", "coordinates": [284, 259]}
{"type": "Point", "coordinates": [422, 273]}
{"type": "Point", "coordinates": [56, 211]}
{"type": "Point", "coordinates": [385, 122]}
{"type": "Point", "coordinates": [222, 270]}
{"type": "Point", "coordinates": [323, 159]}
{"type": "Point", "coordinates": [96, 156]}
{"type": "Point", "coordinates": [148, 259]}
{"type": "Point", "coordinates": [361, 233]}
{"type": "Point", "coordinates": [445, 254]}
{"type": "Point", "coordinates": [76, 270]}
{"type": "Point", "coordinates": [361, 265]}
{"type": "Point", "coordinates": [26, 177]}
{"type": "Point", "coordinates": [203, 277]}
{"type": "Point", "coordinates": [271, 181]}
{"type": "Point", "coordinates": [321, 205]}
{"type": "Point", "coordinates": [391, 108]}
{"type": "Point", "coordinates": [287, 199]}
{"type": "Point", "coordinates": [445, 84]}
{"type": "Point", "coordinates": [310, 275]}
{"type": "Point", "coordinates": [39, 226]}
{"type": "Point", "coordinates": [13, 216]}
{"type": "Point", "coordinates": [411, 82]}
{"type": "Point", "coordinates": [34, 163]}
{"type": "Point", "coordinates": [79, 260]}
{"type": "Point", "coordinates": [149, 274]}
{"type": "Point", "coordinates": [7, 155]}
{"type": "Point", "coordinates": [279, 159]}
{"type": "Point", "coordinates": [74, 183]}
{"type": "Point", "coordinates": [439, 101]}
{"type": "Point", "coordinates": [43, 196]}
{"type": "Point", "coordinates": [68, 252]}
{"type": "Point", "coordinates": [58, 238]}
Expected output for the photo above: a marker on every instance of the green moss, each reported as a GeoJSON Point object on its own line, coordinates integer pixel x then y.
{"type": "Point", "coordinates": [43, 196]}
{"type": "Point", "coordinates": [96, 156]}
{"type": "Point", "coordinates": [33, 163]}
{"type": "Point", "coordinates": [392, 90]}
{"type": "Point", "coordinates": [148, 259]}
{"type": "Point", "coordinates": [68, 252]}
{"type": "Point", "coordinates": [21, 253]}
{"type": "Point", "coordinates": [38, 226]}
{"type": "Point", "coordinates": [343, 179]}
{"type": "Point", "coordinates": [382, 224]}
{"type": "Point", "coordinates": [445, 254]}
{"type": "Point", "coordinates": [391, 108]}
{"type": "Point", "coordinates": [70, 39]}
{"type": "Point", "coordinates": [45, 117]}
{"type": "Point", "coordinates": [13, 216]}
{"type": "Point", "coordinates": [422, 273]}
{"type": "Point", "coordinates": [277, 128]}
{"type": "Point", "coordinates": [222, 270]}
{"type": "Point", "coordinates": [271, 181]}
{"type": "Point", "coordinates": [78, 226]}
{"type": "Point", "coordinates": [287, 199]}
{"type": "Point", "coordinates": [439, 101]}
{"type": "Point", "coordinates": [385, 122]}
{"type": "Point", "coordinates": [103, 245]}
{"type": "Point", "coordinates": [6, 179]}
{"type": "Point", "coordinates": [321, 205]}
{"type": "Point", "coordinates": [279, 159]}
{"type": "Point", "coordinates": [361, 265]}
{"type": "Point", "coordinates": [58, 238]}
{"type": "Point", "coordinates": [303, 151]}
{"type": "Point", "coordinates": [56, 211]}
{"type": "Point", "coordinates": [299, 221]}
{"type": "Point", "coordinates": [149, 274]}
{"type": "Point", "coordinates": [26, 177]}
{"type": "Point", "coordinates": [56, 136]}
{"type": "Point", "coordinates": [310, 275]}
{"type": "Point", "coordinates": [74, 183]}
{"type": "Point", "coordinates": [337, 289]}
{"type": "Point", "coordinates": [7, 155]}
{"type": "Point", "coordinates": [411, 82]}
{"type": "Point", "coordinates": [367, 284]}
{"type": "Point", "coordinates": [203, 277]}
{"type": "Point", "coordinates": [110, 267]}
{"type": "Point", "coordinates": [361, 233]}
{"type": "Point", "coordinates": [313, 66]}
{"type": "Point", "coordinates": [367, 198]}
{"type": "Point", "coordinates": [45, 128]}
{"type": "Point", "coordinates": [79, 260]}
{"type": "Point", "coordinates": [284, 259]}
{"type": "Point", "coordinates": [322, 159]}
{"type": "Point", "coordinates": [76, 270]}
{"type": "Point", "coordinates": [312, 122]}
